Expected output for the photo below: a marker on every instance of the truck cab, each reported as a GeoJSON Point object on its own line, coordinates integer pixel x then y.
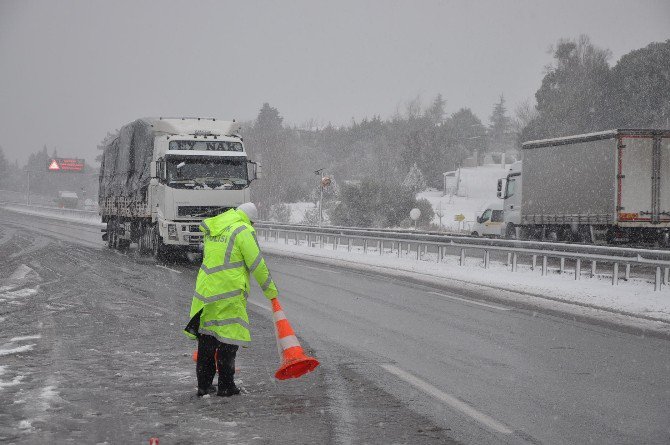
{"type": "Point", "coordinates": [200, 169]}
{"type": "Point", "coordinates": [490, 221]}
{"type": "Point", "coordinates": [509, 190]}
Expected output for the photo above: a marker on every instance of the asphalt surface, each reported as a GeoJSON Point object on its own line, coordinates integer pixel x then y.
{"type": "Point", "coordinates": [401, 363]}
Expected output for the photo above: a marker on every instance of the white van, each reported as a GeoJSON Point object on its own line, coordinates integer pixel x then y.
{"type": "Point", "coordinates": [490, 222]}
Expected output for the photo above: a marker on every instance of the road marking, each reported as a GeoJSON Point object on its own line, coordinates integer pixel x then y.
{"type": "Point", "coordinates": [323, 270]}
{"type": "Point", "coordinates": [262, 306]}
{"type": "Point", "coordinates": [465, 300]}
{"type": "Point", "coordinates": [448, 399]}
{"type": "Point", "coordinates": [167, 268]}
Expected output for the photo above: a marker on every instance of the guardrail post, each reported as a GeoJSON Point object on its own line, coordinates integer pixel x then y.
{"type": "Point", "coordinates": [657, 280]}
{"type": "Point", "coordinates": [544, 265]}
{"type": "Point", "coordinates": [462, 263]}
{"type": "Point", "coordinates": [365, 245]}
{"type": "Point", "coordinates": [349, 245]}
{"type": "Point", "coordinates": [380, 246]}
{"type": "Point", "coordinates": [399, 253]}
{"type": "Point", "coordinates": [514, 259]}
{"type": "Point", "coordinates": [562, 265]}
{"type": "Point", "coordinates": [438, 249]}
{"type": "Point", "coordinates": [627, 273]}
{"type": "Point", "coordinates": [321, 241]}
{"type": "Point", "coordinates": [666, 272]}
{"type": "Point", "coordinates": [509, 259]}
{"type": "Point", "coordinates": [534, 262]}
{"type": "Point", "coordinates": [578, 269]}
{"type": "Point", "coordinates": [286, 237]}
{"type": "Point", "coordinates": [265, 233]}
{"type": "Point", "coordinates": [615, 274]}
{"type": "Point", "coordinates": [487, 259]}
{"type": "Point", "coordinates": [418, 251]}
{"type": "Point", "coordinates": [594, 264]}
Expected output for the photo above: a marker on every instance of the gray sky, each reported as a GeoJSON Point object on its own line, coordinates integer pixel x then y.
{"type": "Point", "coordinates": [72, 70]}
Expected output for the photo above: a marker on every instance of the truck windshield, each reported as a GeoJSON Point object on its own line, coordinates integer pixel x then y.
{"type": "Point", "coordinates": [215, 173]}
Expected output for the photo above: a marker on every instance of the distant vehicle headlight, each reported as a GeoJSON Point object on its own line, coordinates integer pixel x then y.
{"type": "Point", "coordinates": [172, 231]}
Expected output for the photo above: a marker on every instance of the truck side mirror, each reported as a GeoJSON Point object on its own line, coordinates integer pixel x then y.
{"type": "Point", "coordinates": [499, 187]}
{"type": "Point", "coordinates": [499, 194]}
{"type": "Point", "coordinates": [253, 170]}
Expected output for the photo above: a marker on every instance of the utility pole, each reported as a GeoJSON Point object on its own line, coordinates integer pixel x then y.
{"type": "Point", "coordinates": [28, 192]}
{"type": "Point", "coordinates": [318, 173]}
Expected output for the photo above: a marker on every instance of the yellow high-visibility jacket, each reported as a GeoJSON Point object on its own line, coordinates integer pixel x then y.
{"type": "Point", "coordinates": [231, 252]}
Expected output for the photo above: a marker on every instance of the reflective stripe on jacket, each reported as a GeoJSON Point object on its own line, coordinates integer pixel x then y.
{"type": "Point", "coordinates": [231, 252]}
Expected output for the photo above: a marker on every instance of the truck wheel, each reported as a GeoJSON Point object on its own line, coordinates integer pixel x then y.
{"type": "Point", "coordinates": [510, 231]}
{"type": "Point", "coordinates": [159, 249]}
{"type": "Point", "coordinates": [144, 241]}
{"type": "Point", "coordinates": [110, 234]}
{"type": "Point", "coordinates": [474, 234]}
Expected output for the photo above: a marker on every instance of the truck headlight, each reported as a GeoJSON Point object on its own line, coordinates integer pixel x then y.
{"type": "Point", "coordinates": [172, 231]}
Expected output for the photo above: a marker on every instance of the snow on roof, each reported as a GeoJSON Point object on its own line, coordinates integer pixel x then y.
{"type": "Point", "coordinates": [195, 125]}
{"type": "Point", "coordinates": [571, 139]}
{"type": "Point", "coordinates": [586, 137]}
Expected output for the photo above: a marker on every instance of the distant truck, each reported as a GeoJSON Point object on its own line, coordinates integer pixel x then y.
{"type": "Point", "coordinates": [490, 222]}
{"type": "Point", "coordinates": [162, 176]}
{"type": "Point", "coordinates": [606, 187]}
{"type": "Point", "coordinates": [67, 200]}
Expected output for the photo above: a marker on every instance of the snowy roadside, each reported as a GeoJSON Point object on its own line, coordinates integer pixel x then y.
{"type": "Point", "coordinates": [93, 219]}
{"type": "Point", "coordinates": [617, 304]}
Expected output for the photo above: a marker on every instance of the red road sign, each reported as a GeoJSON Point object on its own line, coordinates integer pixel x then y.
{"type": "Point", "coordinates": [65, 165]}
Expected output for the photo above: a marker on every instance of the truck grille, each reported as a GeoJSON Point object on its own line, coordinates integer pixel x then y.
{"type": "Point", "coordinates": [200, 211]}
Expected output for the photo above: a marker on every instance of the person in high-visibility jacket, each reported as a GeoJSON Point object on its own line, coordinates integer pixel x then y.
{"type": "Point", "coordinates": [218, 318]}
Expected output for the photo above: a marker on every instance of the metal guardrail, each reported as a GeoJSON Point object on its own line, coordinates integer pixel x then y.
{"type": "Point", "coordinates": [442, 245]}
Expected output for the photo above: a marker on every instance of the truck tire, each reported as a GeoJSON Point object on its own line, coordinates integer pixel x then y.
{"type": "Point", "coordinates": [110, 234]}
{"type": "Point", "coordinates": [159, 249]}
{"type": "Point", "coordinates": [144, 240]}
{"type": "Point", "coordinates": [510, 231]}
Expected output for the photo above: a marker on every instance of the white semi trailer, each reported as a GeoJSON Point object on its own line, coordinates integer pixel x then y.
{"type": "Point", "coordinates": [161, 176]}
{"type": "Point", "coordinates": [611, 186]}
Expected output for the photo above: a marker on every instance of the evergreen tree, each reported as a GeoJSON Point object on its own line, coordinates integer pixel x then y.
{"type": "Point", "coordinates": [414, 180]}
{"type": "Point", "coordinates": [573, 95]}
{"type": "Point", "coordinates": [499, 130]}
{"type": "Point", "coordinates": [3, 163]}
{"type": "Point", "coordinates": [435, 112]}
{"type": "Point", "coordinates": [640, 89]}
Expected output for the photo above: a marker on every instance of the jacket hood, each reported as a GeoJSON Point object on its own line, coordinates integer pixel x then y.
{"type": "Point", "coordinates": [217, 224]}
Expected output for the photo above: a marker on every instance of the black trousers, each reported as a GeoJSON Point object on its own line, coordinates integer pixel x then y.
{"type": "Point", "coordinates": [206, 366]}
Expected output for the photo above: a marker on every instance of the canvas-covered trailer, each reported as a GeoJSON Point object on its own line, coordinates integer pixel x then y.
{"type": "Point", "coordinates": [616, 183]}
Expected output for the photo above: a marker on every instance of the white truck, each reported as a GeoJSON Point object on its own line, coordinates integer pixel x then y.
{"type": "Point", "coordinates": [161, 176]}
{"type": "Point", "coordinates": [605, 187]}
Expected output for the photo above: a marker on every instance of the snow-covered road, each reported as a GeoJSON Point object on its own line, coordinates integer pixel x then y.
{"type": "Point", "coordinates": [93, 353]}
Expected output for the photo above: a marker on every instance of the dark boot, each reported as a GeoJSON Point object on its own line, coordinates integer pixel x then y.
{"type": "Point", "coordinates": [228, 391]}
{"type": "Point", "coordinates": [225, 361]}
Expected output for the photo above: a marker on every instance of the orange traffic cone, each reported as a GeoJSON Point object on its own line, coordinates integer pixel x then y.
{"type": "Point", "coordinates": [294, 361]}
{"type": "Point", "coordinates": [216, 354]}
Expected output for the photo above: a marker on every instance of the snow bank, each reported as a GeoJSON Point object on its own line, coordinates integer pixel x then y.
{"type": "Point", "coordinates": [58, 214]}
{"type": "Point", "coordinates": [635, 297]}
